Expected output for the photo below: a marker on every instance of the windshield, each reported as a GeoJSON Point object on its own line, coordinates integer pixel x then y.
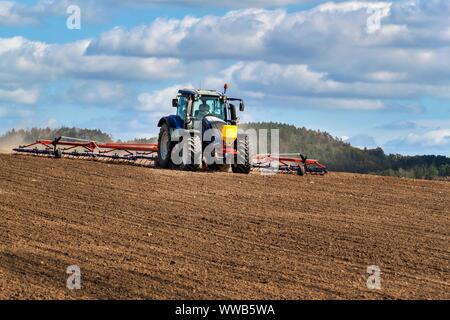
{"type": "Point", "coordinates": [208, 105]}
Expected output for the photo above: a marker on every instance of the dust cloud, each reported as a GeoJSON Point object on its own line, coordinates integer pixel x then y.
{"type": "Point", "coordinates": [7, 144]}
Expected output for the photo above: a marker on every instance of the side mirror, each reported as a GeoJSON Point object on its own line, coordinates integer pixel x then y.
{"type": "Point", "coordinates": [242, 106]}
{"type": "Point", "coordinates": [175, 103]}
{"type": "Point", "coordinates": [233, 113]}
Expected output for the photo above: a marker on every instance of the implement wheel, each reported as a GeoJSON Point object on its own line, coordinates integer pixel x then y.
{"type": "Point", "coordinates": [57, 153]}
{"type": "Point", "coordinates": [301, 170]}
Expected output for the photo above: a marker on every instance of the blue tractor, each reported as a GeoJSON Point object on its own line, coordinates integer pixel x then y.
{"type": "Point", "coordinates": [198, 111]}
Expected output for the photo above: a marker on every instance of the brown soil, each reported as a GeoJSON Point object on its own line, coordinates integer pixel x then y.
{"type": "Point", "coordinates": [145, 233]}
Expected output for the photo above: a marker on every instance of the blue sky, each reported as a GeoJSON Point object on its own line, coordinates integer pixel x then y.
{"type": "Point", "coordinates": [375, 73]}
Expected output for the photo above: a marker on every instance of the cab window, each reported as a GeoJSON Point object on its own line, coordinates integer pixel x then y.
{"type": "Point", "coordinates": [208, 105]}
{"type": "Point", "coordinates": [182, 105]}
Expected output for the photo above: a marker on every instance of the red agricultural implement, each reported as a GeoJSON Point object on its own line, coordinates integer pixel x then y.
{"type": "Point", "coordinates": [289, 163]}
{"type": "Point", "coordinates": [79, 148]}
{"type": "Point", "coordinates": [146, 154]}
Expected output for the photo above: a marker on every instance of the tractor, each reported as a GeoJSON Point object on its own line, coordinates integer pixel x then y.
{"type": "Point", "coordinates": [198, 111]}
{"type": "Point", "coordinates": [203, 133]}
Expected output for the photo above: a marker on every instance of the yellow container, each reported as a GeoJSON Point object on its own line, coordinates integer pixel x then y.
{"type": "Point", "coordinates": [229, 134]}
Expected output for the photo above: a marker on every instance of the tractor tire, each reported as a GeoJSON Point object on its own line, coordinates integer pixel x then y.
{"type": "Point", "coordinates": [165, 146]}
{"type": "Point", "coordinates": [194, 154]}
{"type": "Point", "coordinates": [242, 163]}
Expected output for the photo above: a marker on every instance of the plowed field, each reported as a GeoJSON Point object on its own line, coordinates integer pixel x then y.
{"type": "Point", "coordinates": [146, 233]}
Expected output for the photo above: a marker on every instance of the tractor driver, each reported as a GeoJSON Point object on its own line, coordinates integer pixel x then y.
{"type": "Point", "coordinates": [203, 109]}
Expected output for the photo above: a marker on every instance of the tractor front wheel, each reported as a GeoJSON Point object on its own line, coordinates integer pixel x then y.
{"type": "Point", "coordinates": [192, 161]}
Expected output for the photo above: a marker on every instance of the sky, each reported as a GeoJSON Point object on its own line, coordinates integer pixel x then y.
{"type": "Point", "coordinates": [373, 73]}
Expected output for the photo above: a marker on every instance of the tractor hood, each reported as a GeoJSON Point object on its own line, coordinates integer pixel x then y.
{"type": "Point", "coordinates": [211, 122]}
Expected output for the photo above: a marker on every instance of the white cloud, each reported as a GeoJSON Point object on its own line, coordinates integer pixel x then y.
{"type": "Point", "coordinates": [409, 47]}
{"type": "Point", "coordinates": [351, 6]}
{"type": "Point", "coordinates": [428, 142]}
{"type": "Point", "coordinates": [96, 93]}
{"type": "Point", "coordinates": [22, 61]}
{"type": "Point", "coordinates": [362, 141]}
{"type": "Point", "coordinates": [212, 3]}
{"type": "Point", "coordinates": [94, 80]}
{"type": "Point", "coordinates": [209, 37]}
{"type": "Point", "coordinates": [292, 80]}
{"type": "Point", "coordinates": [159, 102]}
{"type": "Point", "coordinates": [20, 96]}
{"type": "Point", "coordinates": [433, 138]}
{"type": "Point", "coordinates": [260, 30]}
{"type": "Point", "coordinates": [14, 13]}
{"type": "Point", "coordinates": [386, 76]}
{"type": "Point", "coordinates": [10, 17]}
{"type": "Point", "coordinates": [400, 125]}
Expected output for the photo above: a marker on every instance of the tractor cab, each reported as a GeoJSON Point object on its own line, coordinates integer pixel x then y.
{"type": "Point", "coordinates": [195, 105]}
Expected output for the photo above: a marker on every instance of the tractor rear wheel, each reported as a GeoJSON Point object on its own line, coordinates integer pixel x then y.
{"type": "Point", "coordinates": [194, 156]}
{"type": "Point", "coordinates": [242, 160]}
{"type": "Point", "coordinates": [165, 147]}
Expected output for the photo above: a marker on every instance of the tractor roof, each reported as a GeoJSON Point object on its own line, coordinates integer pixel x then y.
{"type": "Point", "coordinates": [200, 92]}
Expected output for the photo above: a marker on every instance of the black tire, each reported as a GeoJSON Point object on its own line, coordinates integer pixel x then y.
{"type": "Point", "coordinates": [57, 153]}
{"type": "Point", "coordinates": [242, 163]}
{"type": "Point", "coordinates": [165, 146]}
{"type": "Point", "coordinates": [194, 154]}
{"type": "Point", "coordinates": [301, 170]}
